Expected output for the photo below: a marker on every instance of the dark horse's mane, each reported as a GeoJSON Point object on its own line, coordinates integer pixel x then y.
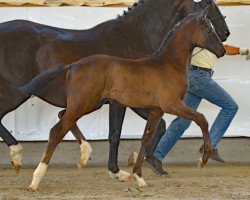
{"type": "Point", "coordinates": [130, 9]}
{"type": "Point", "coordinates": [169, 34]}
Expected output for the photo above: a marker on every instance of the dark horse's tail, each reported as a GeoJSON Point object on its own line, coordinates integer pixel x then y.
{"type": "Point", "coordinates": [37, 85]}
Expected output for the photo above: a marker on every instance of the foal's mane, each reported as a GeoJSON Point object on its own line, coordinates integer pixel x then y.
{"type": "Point", "coordinates": [170, 33]}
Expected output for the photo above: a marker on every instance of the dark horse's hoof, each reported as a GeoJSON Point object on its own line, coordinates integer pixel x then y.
{"type": "Point", "coordinates": [17, 167]}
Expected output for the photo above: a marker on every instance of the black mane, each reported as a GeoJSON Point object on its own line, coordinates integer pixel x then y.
{"type": "Point", "coordinates": [131, 9]}
{"type": "Point", "coordinates": [169, 34]}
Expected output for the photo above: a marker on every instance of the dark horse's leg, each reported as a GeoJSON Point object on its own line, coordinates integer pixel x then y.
{"type": "Point", "coordinates": [84, 145]}
{"type": "Point", "coordinates": [8, 104]}
{"type": "Point", "coordinates": [161, 129]}
{"type": "Point", "coordinates": [154, 118]}
{"type": "Point", "coordinates": [6, 136]}
{"type": "Point", "coordinates": [16, 149]}
{"type": "Point", "coordinates": [116, 116]}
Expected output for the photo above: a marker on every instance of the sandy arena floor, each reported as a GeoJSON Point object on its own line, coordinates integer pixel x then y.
{"type": "Point", "coordinates": [212, 182]}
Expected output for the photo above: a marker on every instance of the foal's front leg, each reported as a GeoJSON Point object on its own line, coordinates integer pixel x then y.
{"type": "Point", "coordinates": [154, 118]}
{"type": "Point", "coordinates": [181, 110]}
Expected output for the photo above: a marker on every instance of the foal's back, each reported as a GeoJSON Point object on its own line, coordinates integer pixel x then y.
{"type": "Point", "coordinates": [125, 80]}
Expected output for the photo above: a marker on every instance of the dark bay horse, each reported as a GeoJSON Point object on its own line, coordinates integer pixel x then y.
{"type": "Point", "coordinates": [157, 83]}
{"type": "Point", "coordinates": [28, 49]}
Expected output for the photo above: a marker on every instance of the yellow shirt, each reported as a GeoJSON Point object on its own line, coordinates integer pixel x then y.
{"type": "Point", "coordinates": [202, 58]}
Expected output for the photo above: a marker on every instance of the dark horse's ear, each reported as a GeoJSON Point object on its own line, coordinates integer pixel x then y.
{"type": "Point", "coordinates": [203, 14]}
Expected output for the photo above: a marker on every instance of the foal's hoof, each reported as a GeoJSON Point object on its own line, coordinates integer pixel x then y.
{"type": "Point", "coordinates": [142, 184]}
{"type": "Point", "coordinates": [200, 163]}
{"type": "Point", "coordinates": [31, 189]}
{"type": "Point", "coordinates": [16, 166]}
{"type": "Point", "coordinates": [125, 177]}
{"type": "Point", "coordinates": [140, 181]}
{"type": "Point", "coordinates": [81, 164]}
{"type": "Point", "coordinates": [86, 150]}
{"type": "Point", "coordinates": [121, 175]}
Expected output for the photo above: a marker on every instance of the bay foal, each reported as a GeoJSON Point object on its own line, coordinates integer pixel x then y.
{"type": "Point", "coordinates": [28, 49]}
{"type": "Point", "coordinates": [157, 82]}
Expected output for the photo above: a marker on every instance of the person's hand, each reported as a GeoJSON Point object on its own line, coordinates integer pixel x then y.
{"type": "Point", "coordinates": [248, 55]}
{"type": "Point", "coordinates": [245, 52]}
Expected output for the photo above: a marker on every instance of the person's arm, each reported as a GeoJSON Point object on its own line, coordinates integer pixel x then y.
{"type": "Point", "coordinates": [233, 50]}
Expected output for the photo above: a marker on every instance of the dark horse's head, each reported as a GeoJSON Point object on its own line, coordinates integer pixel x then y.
{"type": "Point", "coordinates": [204, 35]}
{"type": "Point", "coordinates": [215, 16]}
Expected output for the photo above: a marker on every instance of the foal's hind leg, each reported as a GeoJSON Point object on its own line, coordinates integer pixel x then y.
{"type": "Point", "coordinates": [56, 135]}
{"type": "Point", "coordinates": [84, 145]}
{"type": "Point", "coordinates": [69, 119]}
{"type": "Point", "coordinates": [154, 118]}
{"type": "Point", "coordinates": [181, 110]}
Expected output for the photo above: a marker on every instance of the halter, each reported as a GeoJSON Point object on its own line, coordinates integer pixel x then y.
{"type": "Point", "coordinates": [218, 17]}
{"type": "Point", "coordinates": [197, 52]}
{"type": "Point", "coordinates": [211, 19]}
{"type": "Point", "coordinates": [202, 7]}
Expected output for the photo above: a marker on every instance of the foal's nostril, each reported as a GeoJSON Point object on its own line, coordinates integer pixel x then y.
{"type": "Point", "coordinates": [227, 33]}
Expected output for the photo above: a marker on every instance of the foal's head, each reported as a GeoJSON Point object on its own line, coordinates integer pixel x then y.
{"type": "Point", "coordinates": [204, 35]}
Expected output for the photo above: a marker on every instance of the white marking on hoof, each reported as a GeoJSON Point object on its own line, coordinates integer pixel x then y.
{"type": "Point", "coordinates": [200, 163]}
{"type": "Point", "coordinates": [37, 176]}
{"type": "Point", "coordinates": [16, 153]}
{"type": "Point", "coordinates": [132, 158]}
{"type": "Point", "coordinates": [140, 181]}
{"type": "Point", "coordinates": [121, 175]}
{"type": "Point", "coordinates": [86, 151]}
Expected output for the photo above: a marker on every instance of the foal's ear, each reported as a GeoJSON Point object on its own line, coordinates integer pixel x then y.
{"type": "Point", "coordinates": [203, 14]}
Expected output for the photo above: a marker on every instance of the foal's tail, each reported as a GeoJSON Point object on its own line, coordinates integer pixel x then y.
{"type": "Point", "coordinates": [37, 85]}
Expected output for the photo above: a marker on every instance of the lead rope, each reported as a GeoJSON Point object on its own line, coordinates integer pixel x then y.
{"type": "Point", "coordinates": [197, 52]}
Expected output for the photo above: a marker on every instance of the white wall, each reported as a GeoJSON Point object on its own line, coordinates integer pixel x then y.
{"type": "Point", "coordinates": [33, 120]}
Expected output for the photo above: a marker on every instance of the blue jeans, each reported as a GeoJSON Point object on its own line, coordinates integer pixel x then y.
{"type": "Point", "coordinates": [201, 86]}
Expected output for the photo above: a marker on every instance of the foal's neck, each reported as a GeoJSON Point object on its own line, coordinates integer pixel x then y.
{"type": "Point", "coordinates": [178, 49]}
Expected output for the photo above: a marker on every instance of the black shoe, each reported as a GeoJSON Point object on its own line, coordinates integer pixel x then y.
{"type": "Point", "coordinates": [156, 166]}
{"type": "Point", "coordinates": [214, 156]}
